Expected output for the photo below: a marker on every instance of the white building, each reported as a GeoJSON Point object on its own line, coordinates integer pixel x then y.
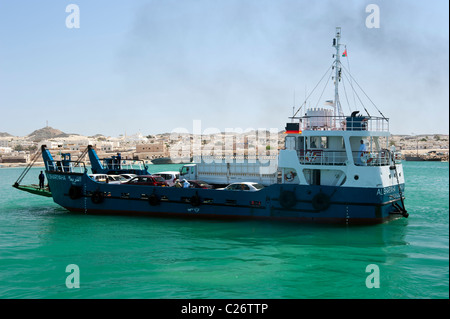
{"type": "Point", "coordinates": [5, 150]}
{"type": "Point", "coordinates": [4, 142]}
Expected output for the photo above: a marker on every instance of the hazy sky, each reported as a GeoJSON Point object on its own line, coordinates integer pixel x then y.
{"type": "Point", "coordinates": [153, 66]}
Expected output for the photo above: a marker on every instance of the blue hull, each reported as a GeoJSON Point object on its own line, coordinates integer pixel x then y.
{"type": "Point", "coordinates": [348, 205]}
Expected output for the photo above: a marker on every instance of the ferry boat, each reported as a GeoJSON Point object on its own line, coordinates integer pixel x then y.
{"type": "Point", "coordinates": [322, 175]}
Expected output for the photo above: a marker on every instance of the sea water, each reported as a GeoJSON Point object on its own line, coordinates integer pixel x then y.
{"type": "Point", "coordinates": [47, 252]}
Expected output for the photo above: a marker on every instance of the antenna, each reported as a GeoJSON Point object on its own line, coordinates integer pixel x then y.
{"type": "Point", "coordinates": [293, 109]}
{"type": "Point", "coordinates": [337, 76]}
{"type": "Point", "coordinates": [305, 92]}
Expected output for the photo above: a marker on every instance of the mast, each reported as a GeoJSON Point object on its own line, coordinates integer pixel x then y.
{"type": "Point", "coordinates": [337, 77]}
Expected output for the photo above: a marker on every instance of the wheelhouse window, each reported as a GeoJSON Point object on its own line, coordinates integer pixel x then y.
{"type": "Point", "coordinates": [370, 150]}
{"type": "Point", "coordinates": [323, 150]}
{"type": "Point", "coordinates": [301, 143]}
{"type": "Point", "coordinates": [318, 142]}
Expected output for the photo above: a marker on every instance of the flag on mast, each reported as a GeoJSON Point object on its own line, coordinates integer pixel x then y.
{"type": "Point", "coordinates": [345, 53]}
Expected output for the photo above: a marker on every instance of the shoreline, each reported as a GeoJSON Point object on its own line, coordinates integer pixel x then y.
{"type": "Point", "coordinates": [423, 153]}
{"type": "Point", "coordinates": [15, 165]}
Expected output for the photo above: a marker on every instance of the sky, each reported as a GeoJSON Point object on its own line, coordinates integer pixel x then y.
{"type": "Point", "coordinates": [151, 67]}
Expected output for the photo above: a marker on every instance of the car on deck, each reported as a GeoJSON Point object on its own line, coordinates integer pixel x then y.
{"type": "Point", "coordinates": [170, 176]}
{"type": "Point", "coordinates": [128, 176]}
{"type": "Point", "coordinates": [151, 180]}
{"type": "Point", "coordinates": [102, 178]}
{"type": "Point", "coordinates": [116, 179]}
{"type": "Point", "coordinates": [200, 184]}
{"type": "Point", "coordinates": [243, 186]}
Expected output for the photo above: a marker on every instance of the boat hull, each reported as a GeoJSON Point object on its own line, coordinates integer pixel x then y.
{"type": "Point", "coordinates": [303, 203]}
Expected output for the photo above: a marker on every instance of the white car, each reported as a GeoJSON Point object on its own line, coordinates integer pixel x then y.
{"type": "Point", "coordinates": [243, 186]}
{"type": "Point", "coordinates": [99, 177]}
{"type": "Point", "coordinates": [128, 176]}
{"type": "Point", "coordinates": [170, 177]}
{"type": "Point", "coordinates": [116, 179]}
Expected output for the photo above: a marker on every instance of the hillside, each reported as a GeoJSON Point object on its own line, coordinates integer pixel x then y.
{"type": "Point", "coordinates": [45, 133]}
{"type": "Point", "coordinates": [4, 134]}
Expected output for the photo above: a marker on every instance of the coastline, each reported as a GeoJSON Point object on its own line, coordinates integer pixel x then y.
{"type": "Point", "coordinates": [423, 153]}
{"type": "Point", "coordinates": [15, 165]}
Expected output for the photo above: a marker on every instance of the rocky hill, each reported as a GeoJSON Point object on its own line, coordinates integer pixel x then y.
{"type": "Point", "coordinates": [4, 134]}
{"type": "Point", "coordinates": [45, 133]}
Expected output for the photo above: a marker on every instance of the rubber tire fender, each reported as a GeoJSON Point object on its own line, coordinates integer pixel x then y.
{"type": "Point", "coordinates": [154, 200]}
{"type": "Point", "coordinates": [97, 197]}
{"type": "Point", "coordinates": [75, 192]}
{"type": "Point", "coordinates": [195, 200]}
{"type": "Point", "coordinates": [321, 201]}
{"type": "Point", "coordinates": [287, 199]}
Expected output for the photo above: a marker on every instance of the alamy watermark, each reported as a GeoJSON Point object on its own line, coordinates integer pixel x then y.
{"type": "Point", "coordinates": [373, 279]}
{"type": "Point", "coordinates": [373, 19]}
{"type": "Point", "coordinates": [73, 279]}
{"type": "Point", "coordinates": [73, 19]}
{"type": "Point", "coordinates": [233, 145]}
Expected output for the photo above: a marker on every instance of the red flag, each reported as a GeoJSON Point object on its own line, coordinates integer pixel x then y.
{"type": "Point", "coordinates": [345, 53]}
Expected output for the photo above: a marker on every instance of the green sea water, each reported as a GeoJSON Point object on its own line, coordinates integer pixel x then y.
{"type": "Point", "coordinates": [144, 257]}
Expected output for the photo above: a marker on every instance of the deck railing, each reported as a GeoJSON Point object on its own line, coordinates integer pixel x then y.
{"type": "Point", "coordinates": [125, 164]}
{"type": "Point", "coordinates": [381, 158]}
{"type": "Point", "coordinates": [66, 166]}
{"type": "Point", "coordinates": [322, 157]}
{"type": "Point", "coordinates": [344, 123]}
{"type": "Point", "coordinates": [329, 157]}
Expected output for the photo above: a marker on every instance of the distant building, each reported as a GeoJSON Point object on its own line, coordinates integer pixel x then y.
{"type": "Point", "coordinates": [49, 144]}
{"type": "Point", "coordinates": [15, 158]}
{"type": "Point", "coordinates": [151, 151]}
{"type": "Point", "coordinates": [5, 150]}
{"type": "Point", "coordinates": [4, 142]}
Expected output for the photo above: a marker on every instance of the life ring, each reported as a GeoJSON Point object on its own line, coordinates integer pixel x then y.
{"type": "Point", "coordinates": [363, 157]}
{"type": "Point", "coordinates": [366, 157]}
{"type": "Point", "coordinates": [195, 200]}
{"type": "Point", "coordinates": [287, 199]}
{"type": "Point", "coordinates": [154, 200]}
{"type": "Point", "coordinates": [97, 197]}
{"type": "Point", "coordinates": [75, 192]}
{"type": "Point", "coordinates": [289, 177]}
{"type": "Point", "coordinates": [310, 156]}
{"type": "Point", "coordinates": [321, 201]}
